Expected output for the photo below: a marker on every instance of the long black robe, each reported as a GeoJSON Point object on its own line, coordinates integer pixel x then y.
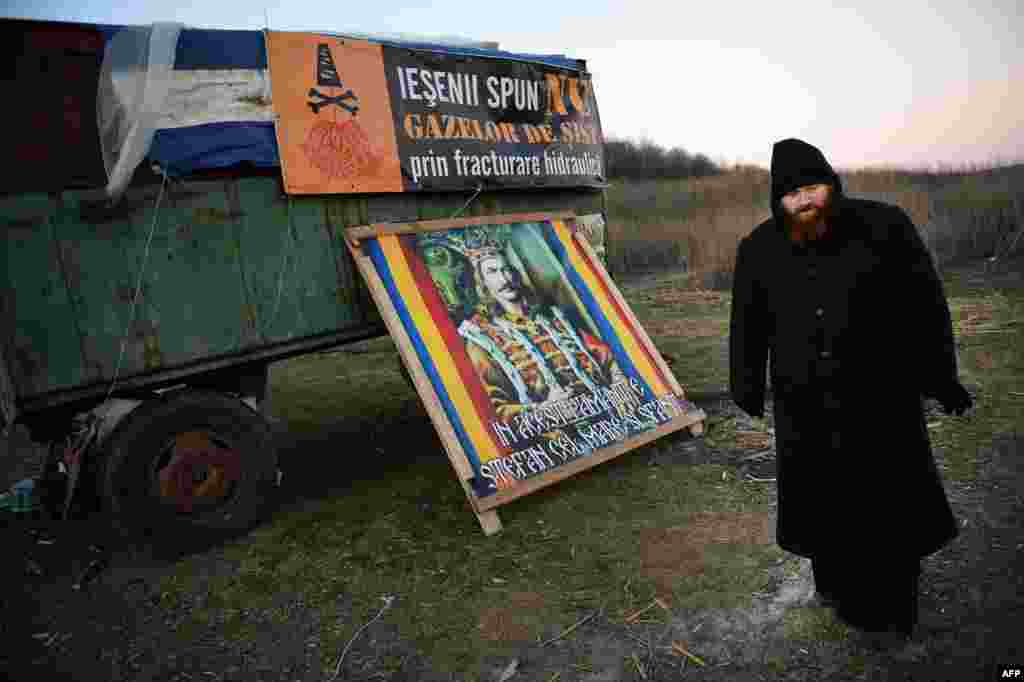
{"type": "Point", "coordinates": [857, 331]}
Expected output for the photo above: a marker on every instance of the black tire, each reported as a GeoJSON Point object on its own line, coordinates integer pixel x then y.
{"type": "Point", "coordinates": [135, 454]}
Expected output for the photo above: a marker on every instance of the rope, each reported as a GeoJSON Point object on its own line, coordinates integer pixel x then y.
{"type": "Point", "coordinates": [284, 258]}
{"type": "Point", "coordinates": [247, 292]}
{"type": "Point", "coordinates": [387, 604]}
{"type": "Point", "coordinates": [479, 188]}
{"type": "Point", "coordinates": [138, 287]}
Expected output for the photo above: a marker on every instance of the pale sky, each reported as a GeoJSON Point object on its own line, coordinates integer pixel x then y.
{"type": "Point", "coordinates": [902, 83]}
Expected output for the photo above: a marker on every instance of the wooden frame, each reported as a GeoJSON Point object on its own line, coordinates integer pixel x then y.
{"type": "Point", "coordinates": [364, 231]}
{"type": "Point", "coordinates": [475, 361]}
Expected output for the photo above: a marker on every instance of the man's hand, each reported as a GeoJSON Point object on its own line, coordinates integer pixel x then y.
{"type": "Point", "coordinates": [956, 400]}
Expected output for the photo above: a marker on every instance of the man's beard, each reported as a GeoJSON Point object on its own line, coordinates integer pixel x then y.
{"type": "Point", "coordinates": [812, 222]}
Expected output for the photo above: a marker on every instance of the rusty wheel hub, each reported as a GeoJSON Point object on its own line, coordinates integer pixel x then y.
{"type": "Point", "coordinates": [196, 469]}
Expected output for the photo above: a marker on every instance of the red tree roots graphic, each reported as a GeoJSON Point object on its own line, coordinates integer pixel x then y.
{"type": "Point", "coordinates": [339, 150]}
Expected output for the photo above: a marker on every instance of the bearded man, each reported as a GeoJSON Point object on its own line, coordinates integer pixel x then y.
{"type": "Point", "coordinates": [528, 355]}
{"type": "Point", "coordinates": [842, 296]}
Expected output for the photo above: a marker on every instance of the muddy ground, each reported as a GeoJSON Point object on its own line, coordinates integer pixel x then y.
{"type": "Point", "coordinates": [118, 628]}
{"type": "Point", "coordinates": [115, 628]}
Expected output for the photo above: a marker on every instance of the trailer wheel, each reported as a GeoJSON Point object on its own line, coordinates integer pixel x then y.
{"type": "Point", "coordinates": [192, 461]}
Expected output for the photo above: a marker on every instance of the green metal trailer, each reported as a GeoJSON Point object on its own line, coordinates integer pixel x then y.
{"type": "Point", "coordinates": [157, 316]}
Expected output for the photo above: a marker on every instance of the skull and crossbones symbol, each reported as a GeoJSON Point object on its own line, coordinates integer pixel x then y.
{"type": "Point", "coordinates": [327, 100]}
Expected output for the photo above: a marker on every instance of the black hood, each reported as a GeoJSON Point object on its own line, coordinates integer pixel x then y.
{"type": "Point", "coordinates": [795, 164]}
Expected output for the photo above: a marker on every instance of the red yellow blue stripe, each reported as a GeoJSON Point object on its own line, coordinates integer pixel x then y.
{"type": "Point", "coordinates": [433, 343]}
{"type": "Point", "coordinates": [604, 326]}
{"type": "Point", "coordinates": [467, 374]}
{"type": "Point", "coordinates": [619, 324]}
{"type": "Point", "coordinates": [380, 264]}
{"type": "Point", "coordinates": [633, 332]}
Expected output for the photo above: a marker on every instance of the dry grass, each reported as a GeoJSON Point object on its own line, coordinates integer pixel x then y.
{"type": "Point", "coordinates": [753, 440]}
{"type": "Point", "coordinates": [696, 224]}
{"type": "Point", "coordinates": [687, 296]}
{"type": "Point", "coordinates": [658, 225]}
{"type": "Point", "coordinates": [992, 314]}
{"type": "Point", "coordinates": [680, 553]}
{"type": "Point", "coordinates": [688, 328]}
{"type": "Point", "coordinates": [510, 621]}
{"type": "Point", "coordinates": [380, 517]}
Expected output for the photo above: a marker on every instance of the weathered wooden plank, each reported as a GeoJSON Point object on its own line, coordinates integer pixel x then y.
{"type": "Point", "coordinates": [418, 206]}
{"type": "Point", "coordinates": [489, 522]}
{"type": "Point", "coordinates": [45, 348]}
{"type": "Point", "coordinates": [365, 231]}
{"type": "Point", "coordinates": [236, 271]}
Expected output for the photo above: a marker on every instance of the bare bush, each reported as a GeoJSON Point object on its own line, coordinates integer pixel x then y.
{"type": "Point", "coordinates": [695, 224]}
{"type": "Point", "coordinates": [645, 159]}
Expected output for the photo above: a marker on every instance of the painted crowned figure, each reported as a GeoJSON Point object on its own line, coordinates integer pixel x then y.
{"type": "Point", "coordinates": [528, 354]}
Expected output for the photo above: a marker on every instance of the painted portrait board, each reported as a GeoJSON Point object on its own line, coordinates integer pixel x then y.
{"type": "Point", "coordinates": [529, 360]}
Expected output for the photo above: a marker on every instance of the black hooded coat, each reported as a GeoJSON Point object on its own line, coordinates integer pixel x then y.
{"type": "Point", "coordinates": [857, 331]}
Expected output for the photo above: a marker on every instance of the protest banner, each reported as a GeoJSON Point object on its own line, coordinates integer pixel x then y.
{"type": "Point", "coordinates": [529, 360]}
{"type": "Point", "coordinates": [360, 116]}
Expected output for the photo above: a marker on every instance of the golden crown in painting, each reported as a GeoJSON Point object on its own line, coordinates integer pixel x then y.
{"type": "Point", "coordinates": [474, 243]}
{"type": "Point", "coordinates": [482, 244]}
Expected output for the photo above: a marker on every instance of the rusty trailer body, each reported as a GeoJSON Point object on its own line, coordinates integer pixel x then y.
{"type": "Point", "coordinates": [200, 279]}
{"type": "Point", "coordinates": [236, 273]}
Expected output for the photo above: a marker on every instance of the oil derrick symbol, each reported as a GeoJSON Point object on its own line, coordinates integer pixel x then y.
{"type": "Point", "coordinates": [336, 149]}
{"type": "Point", "coordinates": [327, 76]}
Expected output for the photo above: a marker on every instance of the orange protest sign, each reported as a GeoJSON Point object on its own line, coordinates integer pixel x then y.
{"type": "Point", "coordinates": [334, 122]}
{"type": "Point", "coordinates": [359, 116]}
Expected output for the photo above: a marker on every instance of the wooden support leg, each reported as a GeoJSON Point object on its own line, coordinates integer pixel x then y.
{"type": "Point", "coordinates": [490, 522]}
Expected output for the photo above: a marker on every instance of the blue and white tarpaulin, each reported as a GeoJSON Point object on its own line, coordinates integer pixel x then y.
{"type": "Point", "coordinates": [217, 110]}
